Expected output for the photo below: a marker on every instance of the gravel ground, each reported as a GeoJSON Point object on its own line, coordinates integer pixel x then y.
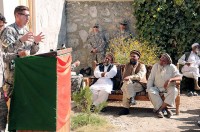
{"type": "Point", "coordinates": [142, 118]}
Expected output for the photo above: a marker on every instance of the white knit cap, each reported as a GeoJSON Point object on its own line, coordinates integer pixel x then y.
{"type": "Point", "coordinates": [195, 44]}
{"type": "Point", "coordinates": [168, 57]}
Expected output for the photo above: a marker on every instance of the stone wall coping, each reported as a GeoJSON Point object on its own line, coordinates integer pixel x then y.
{"type": "Point", "coordinates": [100, 0]}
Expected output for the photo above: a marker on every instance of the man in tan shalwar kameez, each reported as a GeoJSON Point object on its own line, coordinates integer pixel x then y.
{"type": "Point", "coordinates": [134, 80]}
{"type": "Point", "coordinates": [162, 79]}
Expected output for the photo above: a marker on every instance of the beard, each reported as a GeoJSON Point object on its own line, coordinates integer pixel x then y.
{"type": "Point", "coordinates": [106, 63]}
{"type": "Point", "coordinates": [133, 62]}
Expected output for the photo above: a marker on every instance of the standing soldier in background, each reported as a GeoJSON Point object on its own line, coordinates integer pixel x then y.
{"type": "Point", "coordinates": [17, 41]}
{"type": "Point", "coordinates": [3, 105]}
{"type": "Point", "coordinates": [123, 31]}
{"type": "Point", "coordinates": [98, 43]}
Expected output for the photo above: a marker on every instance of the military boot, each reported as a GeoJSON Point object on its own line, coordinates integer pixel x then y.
{"type": "Point", "coordinates": [196, 86]}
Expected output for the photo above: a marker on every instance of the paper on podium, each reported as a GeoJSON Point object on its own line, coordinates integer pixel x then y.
{"type": "Point", "coordinates": [56, 53]}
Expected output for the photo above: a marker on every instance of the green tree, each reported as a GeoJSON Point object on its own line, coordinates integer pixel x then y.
{"type": "Point", "coordinates": [173, 25]}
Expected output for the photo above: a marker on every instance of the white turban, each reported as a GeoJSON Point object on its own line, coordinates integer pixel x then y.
{"type": "Point", "coordinates": [195, 44]}
{"type": "Point", "coordinates": [168, 57]}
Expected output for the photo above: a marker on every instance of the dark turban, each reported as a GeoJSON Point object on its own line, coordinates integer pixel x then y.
{"type": "Point", "coordinates": [136, 52]}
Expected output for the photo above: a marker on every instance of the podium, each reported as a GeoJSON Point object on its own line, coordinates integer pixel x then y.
{"type": "Point", "coordinates": [42, 93]}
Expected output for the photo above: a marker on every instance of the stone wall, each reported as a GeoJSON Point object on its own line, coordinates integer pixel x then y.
{"type": "Point", "coordinates": [82, 15]}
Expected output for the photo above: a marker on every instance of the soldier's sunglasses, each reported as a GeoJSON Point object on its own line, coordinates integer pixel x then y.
{"type": "Point", "coordinates": [26, 15]}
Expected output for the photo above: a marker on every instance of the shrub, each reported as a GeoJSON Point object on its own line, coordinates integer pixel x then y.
{"type": "Point", "coordinates": [121, 49]}
{"type": "Point", "coordinates": [83, 100]}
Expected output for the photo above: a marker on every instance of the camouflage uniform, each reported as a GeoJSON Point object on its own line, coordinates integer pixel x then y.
{"type": "Point", "coordinates": [11, 45]}
{"type": "Point", "coordinates": [126, 34]}
{"type": "Point", "coordinates": [3, 105]}
{"type": "Point", "coordinates": [76, 81]}
{"type": "Point", "coordinates": [98, 41]}
{"type": "Point", "coordinates": [3, 110]}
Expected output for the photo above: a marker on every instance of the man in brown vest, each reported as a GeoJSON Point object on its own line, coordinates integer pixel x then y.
{"type": "Point", "coordinates": [134, 80]}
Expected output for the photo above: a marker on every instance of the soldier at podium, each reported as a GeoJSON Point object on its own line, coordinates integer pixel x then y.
{"type": "Point", "coordinates": [3, 106]}
{"type": "Point", "coordinates": [17, 41]}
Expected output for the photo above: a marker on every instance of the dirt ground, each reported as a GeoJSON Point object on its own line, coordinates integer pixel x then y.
{"type": "Point", "coordinates": [142, 118]}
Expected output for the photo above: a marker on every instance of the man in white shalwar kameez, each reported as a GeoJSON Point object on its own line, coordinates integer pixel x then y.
{"type": "Point", "coordinates": [162, 79]}
{"type": "Point", "coordinates": [104, 85]}
{"type": "Point", "coordinates": [191, 65]}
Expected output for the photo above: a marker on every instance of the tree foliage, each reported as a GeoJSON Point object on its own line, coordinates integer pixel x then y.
{"type": "Point", "coordinates": [121, 49]}
{"type": "Point", "coordinates": [173, 25]}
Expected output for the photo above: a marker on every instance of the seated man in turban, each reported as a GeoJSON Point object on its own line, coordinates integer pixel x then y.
{"type": "Point", "coordinates": [104, 85]}
{"type": "Point", "coordinates": [191, 62]}
{"type": "Point", "coordinates": [162, 79]}
{"type": "Point", "coordinates": [134, 80]}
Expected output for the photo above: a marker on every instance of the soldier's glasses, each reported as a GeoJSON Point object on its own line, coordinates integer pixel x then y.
{"type": "Point", "coordinates": [26, 15]}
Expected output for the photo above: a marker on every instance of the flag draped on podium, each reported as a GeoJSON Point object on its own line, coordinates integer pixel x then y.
{"type": "Point", "coordinates": [42, 94]}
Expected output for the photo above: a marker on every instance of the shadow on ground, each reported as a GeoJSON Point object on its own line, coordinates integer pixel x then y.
{"type": "Point", "coordinates": [191, 121]}
{"type": "Point", "coordinates": [134, 111]}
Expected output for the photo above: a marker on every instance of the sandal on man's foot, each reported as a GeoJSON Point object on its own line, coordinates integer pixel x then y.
{"type": "Point", "coordinates": [132, 101]}
{"type": "Point", "coordinates": [198, 123]}
{"type": "Point", "coordinates": [195, 93]}
{"type": "Point", "coordinates": [160, 114]}
{"type": "Point", "coordinates": [190, 94]}
{"type": "Point", "coordinates": [169, 113]}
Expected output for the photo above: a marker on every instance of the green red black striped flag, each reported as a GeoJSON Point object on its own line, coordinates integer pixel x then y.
{"type": "Point", "coordinates": [42, 94]}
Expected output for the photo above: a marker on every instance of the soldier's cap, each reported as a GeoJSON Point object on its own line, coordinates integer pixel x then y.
{"type": "Point", "coordinates": [123, 22]}
{"type": "Point", "coordinates": [136, 52]}
{"type": "Point", "coordinates": [195, 44]}
{"type": "Point", "coordinates": [96, 25]}
{"type": "Point", "coordinates": [168, 57]}
{"type": "Point", "coordinates": [111, 55]}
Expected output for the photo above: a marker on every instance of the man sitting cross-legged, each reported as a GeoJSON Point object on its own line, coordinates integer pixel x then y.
{"type": "Point", "coordinates": [162, 79]}
{"type": "Point", "coordinates": [104, 85]}
{"type": "Point", "coordinates": [134, 80]}
{"type": "Point", "coordinates": [191, 63]}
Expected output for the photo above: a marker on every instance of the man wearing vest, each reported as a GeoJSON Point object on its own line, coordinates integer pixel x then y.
{"type": "Point", "coordinates": [191, 64]}
{"type": "Point", "coordinates": [104, 85]}
{"type": "Point", "coordinates": [134, 80]}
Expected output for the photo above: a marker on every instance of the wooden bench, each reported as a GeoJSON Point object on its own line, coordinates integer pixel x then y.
{"type": "Point", "coordinates": [117, 95]}
{"type": "Point", "coordinates": [143, 96]}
